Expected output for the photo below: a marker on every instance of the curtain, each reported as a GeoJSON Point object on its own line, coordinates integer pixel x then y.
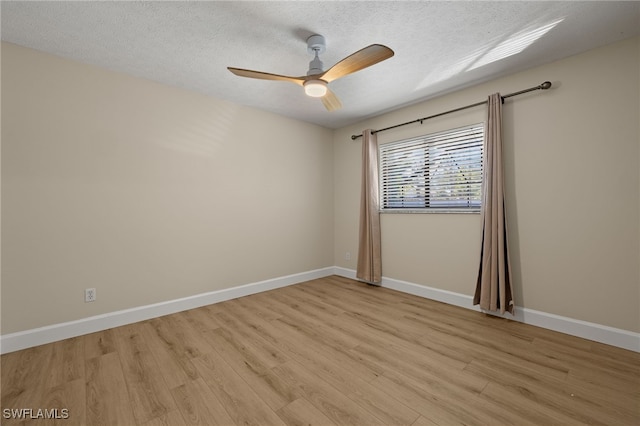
{"type": "Point", "coordinates": [369, 247]}
{"type": "Point", "coordinates": [494, 290]}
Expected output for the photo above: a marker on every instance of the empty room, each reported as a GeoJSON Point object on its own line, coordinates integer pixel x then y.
{"type": "Point", "coordinates": [320, 213]}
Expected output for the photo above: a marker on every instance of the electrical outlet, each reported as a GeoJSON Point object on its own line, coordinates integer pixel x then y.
{"type": "Point", "coordinates": [89, 295]}
{"type": "Point", "coordinates": [347, 256]}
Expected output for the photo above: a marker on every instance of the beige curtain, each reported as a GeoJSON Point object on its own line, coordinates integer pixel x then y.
{"type": "Point", "coordinates": [369, 250]}
{"type": "Point", "coordinates": [494, 290]}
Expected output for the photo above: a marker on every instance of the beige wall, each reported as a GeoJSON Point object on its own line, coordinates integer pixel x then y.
{"type": "Point", "coordinates": [147, 192]}
{"type": "Point", "coordinates": [0, 193]}
{"type": "Point", "coordinates": [573, 191]}
{"type": "Point", "coordinates": [151, 193]}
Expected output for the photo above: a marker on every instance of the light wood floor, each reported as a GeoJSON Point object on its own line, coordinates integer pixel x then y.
{"type": "Point", "coordinates": [328, 351]}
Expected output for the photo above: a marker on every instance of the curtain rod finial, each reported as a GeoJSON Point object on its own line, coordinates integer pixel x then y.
{"type": "Point", "coordinates": [545, 85]}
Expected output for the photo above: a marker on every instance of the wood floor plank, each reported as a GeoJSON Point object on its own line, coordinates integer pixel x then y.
{"type": "Point", "coordinates": [302, 413]}
{"type": "Point", "coordinates": [240, 401]}
{"type": "Point", "coordinates": [406, 345]}
{"type": "Point", "coordinates": [349, 382]}
{"type": "Point", "coordinates": [175, 331]}
{"type": "Point", "coordinates": [270, 355]}
{"type": "Point", "coordinates": [372, 335]}
{"type": "Point", "coordinates": [316, 343]}
{"type": "Point", "coordinates": [593, 364]}
{"type": "Point", "coordinates": [174, 366]}
{"type": "Point", "coordinates": [200, 319]}
{"type": "Point", "coordinates": [433, 407]}
{"type": "Point", "coordinates": [147, 390]}
{"type": "Point", "coordinates": [66, 363]}
{"type": "Point", "coordinates": [246, 364]}
{"type": "Point", "coordinates": [612, 352]}
{"type": "Point", "coordinates": [381, 404]}
{"type": "Point", "coordinates": [296, 319]}
{"type": "Point", "coordinates": [107, 397]}
{"type": "Point", "coordinates": [439, 404]}
{"type": "Point", "coordinates": [420, 366]}
{"type": "Point", "coordinates": [520, 401]}
{"type": "Point", "coordinates": [475, 347]}
{"type": "Point", "coordinates": [258, 309]}
{"type": "Point", "coordinates": [70, 397]}
{"type": "Point", "coordinates": [307, 300]}
{"type": "Point", "coordinates": [172, 418]}
{"type": "Point", "coordinates": [549, 335]}
{"type": "Point", "coordinates": [304, 349]}
{"type": "Point", "coordinates": [423, 421]}
{"type": "Point", "coordinates": [22, 373]}
{"type": "Point", "coordinates": [199, 405]}
{"type": "Point", "coordinates": [58, 405]}
{"type": "Point", "coordinates": [624, 399]}
{"type": "Point", "coordinates": [333, 404]}
{"type": "Point", "coordinates": [99, 343]}
{"type": "Point", "coordinates": [330, 351]}
{"type": "Point", "coordinates": [359, 304]}
{"type": "Point", "coordinates": [375, 331]}
{"type": "Point", "coordinates": [357, 332]}
{"type": "Point", "coordinates": [581, 407]}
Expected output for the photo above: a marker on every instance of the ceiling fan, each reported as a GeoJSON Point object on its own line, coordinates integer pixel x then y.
{"type": "Point", "coordinates": [316, 81]}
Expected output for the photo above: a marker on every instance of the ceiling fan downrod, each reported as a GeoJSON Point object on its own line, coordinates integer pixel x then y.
{"type": "Point", "coordinates": [316, 44]}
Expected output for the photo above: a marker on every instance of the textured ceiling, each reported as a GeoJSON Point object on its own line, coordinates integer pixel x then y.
{"type": "Point", "coordinates": [439, 46]}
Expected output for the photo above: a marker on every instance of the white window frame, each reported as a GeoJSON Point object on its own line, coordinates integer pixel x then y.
{"type": "Point", "coordinates": [416, 165]}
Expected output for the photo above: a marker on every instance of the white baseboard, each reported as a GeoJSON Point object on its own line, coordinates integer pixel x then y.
{"type": "Point", "coordinates": [52, 333]}
{"type": "Point", "coordinates": [587, 330]}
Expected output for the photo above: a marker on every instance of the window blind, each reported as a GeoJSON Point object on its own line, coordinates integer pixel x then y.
{"type": "Point", "coordinates": [439, 171]}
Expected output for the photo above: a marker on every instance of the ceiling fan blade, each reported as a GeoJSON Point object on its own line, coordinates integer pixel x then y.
{"type": "Point", "coordinates": [331, 101]}
{"type": "Point", "coordinates": [266, 76]}
{"type": "Point", "coordinates": [363, 58]}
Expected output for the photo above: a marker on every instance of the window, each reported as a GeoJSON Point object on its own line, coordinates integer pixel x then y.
{"type": "Point", "coordinates": [436, 172]}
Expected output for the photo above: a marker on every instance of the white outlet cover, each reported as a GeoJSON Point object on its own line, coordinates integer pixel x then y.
{"type": "Point", "coordinates": [90, 295]}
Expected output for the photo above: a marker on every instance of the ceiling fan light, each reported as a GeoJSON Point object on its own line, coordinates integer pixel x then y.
{"type": "Point", "coordinates": [315, 88]}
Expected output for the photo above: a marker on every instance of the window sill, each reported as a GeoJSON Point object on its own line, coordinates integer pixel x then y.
{"type": "Point", "coordinates": [429, 211]}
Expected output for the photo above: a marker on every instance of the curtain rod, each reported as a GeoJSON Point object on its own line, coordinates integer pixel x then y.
{"type": "Point", "coordinates": [543, 86]}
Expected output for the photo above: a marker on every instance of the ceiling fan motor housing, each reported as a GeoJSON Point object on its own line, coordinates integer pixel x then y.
{"type": "Point", "coordinates": [316, 45]}
{"type": "Point", "coordinates": [315, 67]}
